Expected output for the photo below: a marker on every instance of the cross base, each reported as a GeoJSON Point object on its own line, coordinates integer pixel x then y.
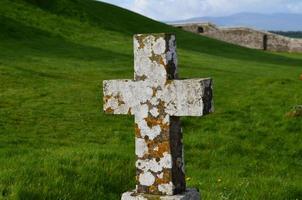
{"type": "Point", "coordinates": [190, 194]}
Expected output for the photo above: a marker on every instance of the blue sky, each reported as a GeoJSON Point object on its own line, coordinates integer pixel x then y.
{"type": "Point", "coordinates": [166, 10]}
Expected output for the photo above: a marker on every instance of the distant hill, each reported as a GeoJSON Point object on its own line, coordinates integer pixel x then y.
{"type": "Point", "coordinates": [274, 22]}
{"type": "Point", "coordinates": [292, 34]}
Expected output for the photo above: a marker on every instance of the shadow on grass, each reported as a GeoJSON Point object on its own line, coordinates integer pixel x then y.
{"type": "Point", "coordinates": [74, 175]}
{"type": "Point", "coordinates": [128, 23]}
{"type": "Point", "coordinates": [32, 41]}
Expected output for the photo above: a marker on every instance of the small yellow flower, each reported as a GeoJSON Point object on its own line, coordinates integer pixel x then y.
{"type": "Point", "coordinates": [219, 180]}
{"type": "Point", "coordinates": [188, 178]}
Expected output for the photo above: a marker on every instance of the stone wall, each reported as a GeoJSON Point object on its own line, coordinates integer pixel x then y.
{"type": "Point", "coordinates": [246, 37]}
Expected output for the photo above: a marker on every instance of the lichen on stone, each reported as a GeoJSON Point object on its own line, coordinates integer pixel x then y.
{"type": "Point", "coordinates": [156, 98]}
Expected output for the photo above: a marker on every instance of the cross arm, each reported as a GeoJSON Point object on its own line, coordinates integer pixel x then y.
{"type": "Point", "coordinates": [190, 97]}
{"type": "Point", "coordinates": [125, 96]}
{"type": "Point", "coordinates": [116, 95]}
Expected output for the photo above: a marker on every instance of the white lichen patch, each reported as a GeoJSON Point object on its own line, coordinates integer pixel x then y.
{"type": "Point", "coordinates": [154, 101]}
{"type": "Point", "coordinates": [154, 112]}
{"type": "Point", "coordinates": [112, 103]}
{"type": "Point", "coordinates": [159, 46]}
{"type": "Point", "coordinates": [141, 147]}
{"type": "Point", "coordinates": [140, 110]}
{"type": "Point", "coordinates": [166, 119]}
{"type": "Point", "coordinates": [143, 60]}
{"type": "Point", "coordinates": [148, 165]}
{"type": "Point", "coordinates": [152, 132]}
{"type": "Point", "coordinates": [153, 165]}
{"type": "Point", "coordinates": [161, 175]}
{"type": "Point", "coordinates": [166, 161]}
{"type": "Point", "coordinates": [166, 188]}
{"type": "Point", "coordinates": [146, 178]}
{"type": "Point", "coordinates": [159, 71]}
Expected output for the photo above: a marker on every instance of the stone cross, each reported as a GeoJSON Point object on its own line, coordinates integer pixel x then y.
{"type": "Point", "coordinates": [157, 98]}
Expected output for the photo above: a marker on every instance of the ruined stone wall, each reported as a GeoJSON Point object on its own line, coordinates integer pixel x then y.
{"type": "Point", "coordinates": [243, 37]}
{"type": "Point", "coordinates": [246, 37]}
{"type": "Point", "coordinates": [278, 43]}
{"type": "Point", "coordinates": [282, 43]}
{"type": "Point", "coordinates": [296, 45]}
{"type": "Point", "coordinates": [199, 28]}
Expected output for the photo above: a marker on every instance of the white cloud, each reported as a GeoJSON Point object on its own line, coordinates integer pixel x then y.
{"type": "Point", "coordinates": [295, 7]}
{"type": "Point", "coordinates": [183, 9]}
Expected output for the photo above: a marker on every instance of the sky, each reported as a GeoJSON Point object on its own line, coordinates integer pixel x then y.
{"type": "Point", "coordinates": [172, 10]}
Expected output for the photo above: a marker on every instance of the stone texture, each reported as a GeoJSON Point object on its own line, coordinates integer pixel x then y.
{"type": "Point", "coordinates": [189, 194]}
{"type": "Point", "coordinates": [246, 37]}
{"type": "Point", "coordinates": [157, 98]}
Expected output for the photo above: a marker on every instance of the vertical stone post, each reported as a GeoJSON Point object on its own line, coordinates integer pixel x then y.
{"type": "Point", "coordinates": [159, 153]}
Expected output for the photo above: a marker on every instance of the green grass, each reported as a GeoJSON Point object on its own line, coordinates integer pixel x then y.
{"type": "Point", "coordinates": [56, 143]}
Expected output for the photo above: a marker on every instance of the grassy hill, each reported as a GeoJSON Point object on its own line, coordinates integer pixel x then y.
{"type": "Point", "coordinates": [56, 143]}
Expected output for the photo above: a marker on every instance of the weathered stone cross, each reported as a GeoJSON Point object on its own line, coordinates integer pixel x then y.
{"type": "Point", "coordinates": [157, 98]}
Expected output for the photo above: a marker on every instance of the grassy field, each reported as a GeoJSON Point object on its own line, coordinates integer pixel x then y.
{"type": "Point", "coordinates": [56, 143]}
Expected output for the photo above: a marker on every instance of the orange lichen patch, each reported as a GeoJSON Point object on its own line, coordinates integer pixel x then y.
{"type": "Point", "coordinates": [165, 127]}
{"type": "Point", "coordinates": [168, 82]}
{"type": "Point", "coordinates": [107, 97]}
{"type": "Point", "coordinates": [163, 147]}
{"type": "Point", "coordinates": [157, 58]}
{"type": "Point", "coordinates": [137, 131]}
{"type": "Point", "coordinates": [118, 97]}
{"type": "Point", "coordinates": [153, 121]}
{"type": "Point", "coordinates": [167, 175]}
{"type": "Point", "coordinates": [154, 89]}
{"type": "Point", "coordinates": [140, 40]}
{"type": "Point", "coordinates": [120, 101]}
{"type": "Point", "coordinates": [151, 144]}
{"type": "Point", "coordinates": [161, 107]}
{"type": "Point", "coordinates": [157, 149]}
{"type": "Point", "coordinates": [152, 188]}
{"type": "Point", "coordinates": [140, 78]}
{"type": "Point", "coordinates": [109, 110]}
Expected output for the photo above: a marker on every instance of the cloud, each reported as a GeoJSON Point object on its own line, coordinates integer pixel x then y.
{"type": "Point", "coordinates": [295, 7]}
{"type": "Point", "coordinates": [182, 9]}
